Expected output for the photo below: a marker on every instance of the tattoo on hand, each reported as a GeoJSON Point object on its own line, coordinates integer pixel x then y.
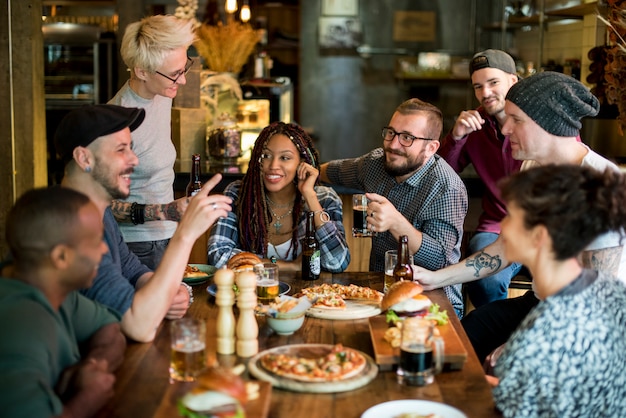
{"type": "Point", "coordinates": [484, 260]}
{"type": "Point", "coordinates": [171, 212]}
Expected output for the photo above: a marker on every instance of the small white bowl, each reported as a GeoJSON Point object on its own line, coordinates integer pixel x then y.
{"type": "Point", "coordinates": [286, 325]}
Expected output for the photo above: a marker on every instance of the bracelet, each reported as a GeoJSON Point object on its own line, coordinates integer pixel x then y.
{"type": "Point", "coordinates": [137, 213]}
{"type": "Point", "coordinates": [324, 216]}
{"type": "Point", "coordinates": [189, 290]}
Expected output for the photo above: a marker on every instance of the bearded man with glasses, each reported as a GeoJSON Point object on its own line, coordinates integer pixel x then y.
{"type": "Point", "coordinates": [155, 51]}
{"type": "Point", "coordinates": [411, 191]}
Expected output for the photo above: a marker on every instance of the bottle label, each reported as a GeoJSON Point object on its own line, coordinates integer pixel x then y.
{"type": "Point", "coordinates": [315, 263]}
{"type": "Point", "coordinates": [194, 192]}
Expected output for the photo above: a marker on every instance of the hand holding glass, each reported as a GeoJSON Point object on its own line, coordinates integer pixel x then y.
{"type": "Point", "coordinates": [359, 216]}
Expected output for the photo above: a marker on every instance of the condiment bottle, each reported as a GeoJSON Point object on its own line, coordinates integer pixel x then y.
{"type": "Point", "coordinates": [311, 261]}
{"type": "Point", "coordinates": [194, 184]}
{"type": "Point", "coordinates": [403, 269]}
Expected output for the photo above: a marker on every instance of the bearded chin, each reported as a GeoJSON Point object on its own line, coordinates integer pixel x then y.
{"type": "Point", "coordinates": [404, 169]}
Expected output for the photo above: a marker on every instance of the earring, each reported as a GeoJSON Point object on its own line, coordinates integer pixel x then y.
{"type": "Point", "coordinates": [88, 169]}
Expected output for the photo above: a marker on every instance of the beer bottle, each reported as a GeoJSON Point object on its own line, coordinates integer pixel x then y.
{"type": "Point", "coordinates": [195, 184]}
{"type": "Point", "coordinates": [403, 269]}
{"type": "Point", "coordinates": [311, 262]}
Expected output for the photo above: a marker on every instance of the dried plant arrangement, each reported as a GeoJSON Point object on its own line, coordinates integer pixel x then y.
{"type": "Point", "coordinates": [226, 47]}
{"type": "Point", "coordinates": [615, 66]}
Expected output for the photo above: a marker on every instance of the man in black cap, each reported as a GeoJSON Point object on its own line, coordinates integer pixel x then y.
{"type": "Point", "coordinates": [544, 113]}
{"type": "Point", "coordinates": [95, 143]}
{"type": "Point", "coordinates": [477, 139]}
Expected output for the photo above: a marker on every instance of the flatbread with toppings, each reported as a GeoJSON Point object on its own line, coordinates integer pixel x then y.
{"type": "Point", "coordinates": [193, 271]}
{"type": "Point", "coordinates": [333, 296]}
{"type": "Point", "coordinates": [339, 364]}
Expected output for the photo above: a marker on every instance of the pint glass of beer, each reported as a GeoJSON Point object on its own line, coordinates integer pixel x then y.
{"type": "Point", "coordinates": [188, 356]}
{"type": "Point", "coordinates": [267, 284]}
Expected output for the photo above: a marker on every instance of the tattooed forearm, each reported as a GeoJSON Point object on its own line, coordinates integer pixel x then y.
{"type": "Point", "coordinates": [606, 260]}
{"type": "Point", "coordinates": [171, 212]}
{"type": "Point", "coordinates": [482, 261]}
{"type": "Point", "coordinates": [121, 210]}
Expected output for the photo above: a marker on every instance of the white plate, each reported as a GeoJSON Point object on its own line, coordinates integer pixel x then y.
{"type": "Point", "coordinates": [354, 310]}
{"type": "Point", "coordinates": [394, 408]}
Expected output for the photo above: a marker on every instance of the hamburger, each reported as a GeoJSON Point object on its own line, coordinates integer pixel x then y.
{"type": "Point", "coordinates": [405, 299]}
{"type": "Point", "coordinates": [243, 261]}
{"type": "Point", "coordinates": [218, 393]}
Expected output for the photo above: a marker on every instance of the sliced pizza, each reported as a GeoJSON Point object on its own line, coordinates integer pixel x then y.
{"type": "Point", "coordinates": [333, 296]}
{"type": "Point", "coordinates": [339, 364]}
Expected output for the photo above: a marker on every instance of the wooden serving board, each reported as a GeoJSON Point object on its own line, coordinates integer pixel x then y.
{"type": "Point", "coordinates": [257, 370]}
{"type": "Point", "coordinates": [386, 356]}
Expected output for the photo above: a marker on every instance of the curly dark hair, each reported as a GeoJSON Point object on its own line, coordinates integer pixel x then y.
{"type": "Point", "coordinates": [252, 209]}
{"type": "Point", "coordinates": [575, 204]}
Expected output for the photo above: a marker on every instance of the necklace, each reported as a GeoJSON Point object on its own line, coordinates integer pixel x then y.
{"type": "Point", "coordinates": [277, 206]}
{"type": "Point", "coordinates": [277, 224]}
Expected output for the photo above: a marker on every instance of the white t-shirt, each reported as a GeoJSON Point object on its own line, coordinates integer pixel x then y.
{"type": "Point", "coordinates": [610, 239]}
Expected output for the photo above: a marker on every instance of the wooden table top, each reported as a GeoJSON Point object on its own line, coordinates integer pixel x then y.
{"type": "Point", "coordinates": [143, 389]}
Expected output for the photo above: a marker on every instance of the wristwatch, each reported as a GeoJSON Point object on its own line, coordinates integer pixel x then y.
{"type": "Point", "coordinates": [273, 259]}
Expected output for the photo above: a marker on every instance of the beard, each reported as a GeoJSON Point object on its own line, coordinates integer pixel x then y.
{"type": "Point", "coordinates": [109, 181]}
{"type": "Point", "coordinates": [409, 166]}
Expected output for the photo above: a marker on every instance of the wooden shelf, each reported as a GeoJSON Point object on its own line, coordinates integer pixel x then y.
{"type": "Point", "coordinates": [574, 12]}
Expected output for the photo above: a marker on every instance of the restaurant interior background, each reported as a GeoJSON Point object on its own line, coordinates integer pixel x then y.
{"type": "Point", "coordinates": [351, 62]}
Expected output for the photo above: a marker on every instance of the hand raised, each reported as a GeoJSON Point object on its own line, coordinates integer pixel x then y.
{"type": "Point", "coordinates": [466, 123]}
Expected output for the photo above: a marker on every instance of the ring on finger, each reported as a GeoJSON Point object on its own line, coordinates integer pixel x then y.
{"type": "Point", "coordinates": [214, 206]}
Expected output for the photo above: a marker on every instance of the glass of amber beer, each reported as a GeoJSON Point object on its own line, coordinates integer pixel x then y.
{"type": "Point", "coordinates": [188, 356]}
{"type": "Point", "coordinates": [267, 284]}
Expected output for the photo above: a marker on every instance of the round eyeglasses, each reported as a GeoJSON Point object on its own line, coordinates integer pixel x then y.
{"type": "Point", "coordinates": [405, 139]}
{"type": "Point", "coordinates": [180, 73]}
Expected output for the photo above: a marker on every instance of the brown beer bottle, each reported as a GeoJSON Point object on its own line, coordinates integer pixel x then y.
{"type": "Point", "coordinates": [311, 261]}
{"type": "Point", "coordinates": [403, 269]}
{"type": "Point", "coordinates": [195, 184]}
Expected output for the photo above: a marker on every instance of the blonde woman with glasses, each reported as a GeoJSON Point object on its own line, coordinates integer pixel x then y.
{"type": "Point", "coordinates": [155, 52]}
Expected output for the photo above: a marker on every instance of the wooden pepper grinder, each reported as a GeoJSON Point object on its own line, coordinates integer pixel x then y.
{"type": "Point", "coordinates": [247, 327]}
{"type": "Point", "coordinates": [225, 299]}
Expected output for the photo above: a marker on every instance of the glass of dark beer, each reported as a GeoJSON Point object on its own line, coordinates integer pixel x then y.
{"type": "Point", "coordinates": [421, 352]}
{"type": "Point", "coordinates": [359, 216]}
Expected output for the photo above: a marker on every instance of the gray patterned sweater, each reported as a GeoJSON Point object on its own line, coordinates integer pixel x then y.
{"type": "Point", "coordinates": [568, 357]}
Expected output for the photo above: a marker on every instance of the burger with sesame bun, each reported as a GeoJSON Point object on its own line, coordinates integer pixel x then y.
{"type": "Point", "coordinates": [405, 299]}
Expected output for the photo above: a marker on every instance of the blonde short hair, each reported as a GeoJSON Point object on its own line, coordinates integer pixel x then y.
{"type": "Point", "coordinates": [146, 42]}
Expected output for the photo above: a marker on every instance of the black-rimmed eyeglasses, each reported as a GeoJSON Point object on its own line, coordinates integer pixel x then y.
{"type": "Point", "coordinates": [405, 139]}
{"type": "Point", "coordinates": [180, 73]}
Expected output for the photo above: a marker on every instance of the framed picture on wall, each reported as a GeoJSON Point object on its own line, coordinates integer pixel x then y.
{"type": "Point", "coordinates": [340, 7]}
{"type": "Point", "coordinates": [339, 32]}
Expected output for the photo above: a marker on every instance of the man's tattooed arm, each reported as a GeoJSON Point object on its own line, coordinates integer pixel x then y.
{"type": "Point", "coordinates": [484, 261]}
{"type": "Point", "coordinates": [152, 212]}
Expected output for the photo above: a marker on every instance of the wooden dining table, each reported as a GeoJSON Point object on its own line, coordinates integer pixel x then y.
{"type": "Point", "coordinates": [143, 388]}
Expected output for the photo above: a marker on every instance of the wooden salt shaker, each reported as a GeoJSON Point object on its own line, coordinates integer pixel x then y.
{"type": "Point", "coordinates": [247, 327]}
{"type": "Point", "coordinates": [225, 299]}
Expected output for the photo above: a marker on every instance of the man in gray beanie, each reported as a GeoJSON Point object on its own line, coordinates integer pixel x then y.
{"type": "Point", "coordinates": [544, 114]}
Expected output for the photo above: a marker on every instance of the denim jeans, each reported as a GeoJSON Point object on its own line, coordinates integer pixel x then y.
{"type": "Point", "coordinates": [149, 253]}
{"type": "Point", "coordinates": [490, 288]}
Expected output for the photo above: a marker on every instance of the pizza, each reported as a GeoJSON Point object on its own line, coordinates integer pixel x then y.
{"type": "Point", "coordinates": [339, 364]}
{"type": "Point", "coordinates": [193, 271]}
{"type": "Point", "coordinates": [333, 296]}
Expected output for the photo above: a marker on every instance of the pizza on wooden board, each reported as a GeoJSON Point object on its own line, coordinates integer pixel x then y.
{"type": "Point", "coordinates": [339, 364]}
{"type": "Point", "coordinates": [333, 296]}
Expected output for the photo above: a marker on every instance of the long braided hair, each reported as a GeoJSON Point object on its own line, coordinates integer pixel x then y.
{"type": "Point", "coordinates": [252, 208]}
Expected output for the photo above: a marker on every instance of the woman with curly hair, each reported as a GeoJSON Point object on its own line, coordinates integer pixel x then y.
{"type": "Point", "coordinates": [567, 357]}
{"type": "Point", "coordinates": [271, 202]}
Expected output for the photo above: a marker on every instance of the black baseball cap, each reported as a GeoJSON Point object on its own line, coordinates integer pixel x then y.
{"type": "Point", "coordinates": [493, 58]}
{"type": "Point", "coordinates": [82, 126]}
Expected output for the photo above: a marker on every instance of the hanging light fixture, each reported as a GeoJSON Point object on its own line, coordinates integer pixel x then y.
{"type": "Point", "coordinates": [245, 11]}
{"type": "Point", "coordinates": [231, 6]}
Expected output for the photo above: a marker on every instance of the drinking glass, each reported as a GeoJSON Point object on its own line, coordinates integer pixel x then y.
{"type": "Point", "coordinates": [267, 284]}
{"type": "Point", "coordinates": [188, 356]}
{"type": "Point", "coordinates": [421, 352]}
{"type": "Point", "coordinates": [391, 258]}
{"type": "Point", "coordinates": [359, 216]}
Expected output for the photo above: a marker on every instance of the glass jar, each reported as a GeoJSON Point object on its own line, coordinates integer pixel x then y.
{"type": "Point", "coordinates": [224, 141]}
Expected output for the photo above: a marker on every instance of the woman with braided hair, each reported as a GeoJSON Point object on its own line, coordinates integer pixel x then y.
{"type": "Point", "coordinates": [269, 213]}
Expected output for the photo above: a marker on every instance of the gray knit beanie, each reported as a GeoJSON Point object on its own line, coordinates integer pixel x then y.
{"type": "Point", "coordinates": [555, 101]}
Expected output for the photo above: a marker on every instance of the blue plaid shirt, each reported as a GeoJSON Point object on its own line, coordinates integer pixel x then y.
{"type": "Point", "coordinates": [334, 252]}
{"type": "Point", "coordinates": [434, 200]}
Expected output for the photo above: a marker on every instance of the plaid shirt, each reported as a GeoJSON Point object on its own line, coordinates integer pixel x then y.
{"type": "Point", "coordinates": [434, 200]}
{"type": "Point", "coordinates": [334, 252]}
